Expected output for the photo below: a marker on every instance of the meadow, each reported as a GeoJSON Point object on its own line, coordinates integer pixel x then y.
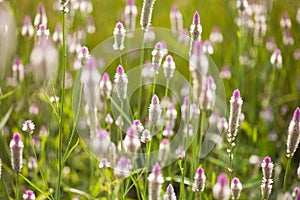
{"type": "Point", "coordinates": [149, 99]}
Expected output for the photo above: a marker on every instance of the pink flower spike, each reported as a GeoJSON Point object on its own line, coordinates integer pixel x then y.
{"type": "Point", "coordinates": [120, 70]}
{"type": "Point", "coordinates": [196, 19]}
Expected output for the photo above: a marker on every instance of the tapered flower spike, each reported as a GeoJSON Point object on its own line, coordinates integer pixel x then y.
{"type": "Point", "coordinates": [138, 126]}
{"type": "Point", "coordinates": [157, 55]}
{"type": "Point", "coordinates": [207, 98]}
{"type": "Point", "coordinates": [119, 35]}
{"type": "Point", "coordinates": [293, 138]}
{"type": "Point", "coordinates": [221, 189]}
{"type": "Point", "coordinates": [105, 86]}
{"type": "Point", "coordinates": [155, 111]}
{"type": "Point", "coordinates": [170, 194]}
{"type": "Point", "coordinates": [236, 188]}
{"type": "Point", "coordinates": [234, 118]}
{"type": "Point", "coordinates": [146, 136]}
{"type": "Point", "coordinates": [28, 126]}
{"type": "Point", "coordinates": [195, 31]}
{"type": "Point", "coordinates": [199, 180]}
{"type": "Point", "coordinates": [176, 20]}
{"type": "Point", "coordinates": [16, 150]}
{"type": "Point", "coordinates": [266, 185]}
{"type": "Point", "coordinates": [28, 195]}
{"type": "Point", "coordinates": [40, 17]}
{"type": "Point", "coordinates": [131, 142]}
{"type": "Point", "coordinates": [169, 67]}
{"type": "Point", "coordinates": [123, 167]}
{"type": "Point", "coordinates": [155, 181]}
{"type": "Point", "coordinates": [121, 82]}
{"type": "Point", "coordinates": [130, 14]}
{"type": "Point", "coordinates": [276, 59]}
{"type": "Point", "coordinates": [27, 29]}
{"type": "Point", "coordinates": [146, 14]}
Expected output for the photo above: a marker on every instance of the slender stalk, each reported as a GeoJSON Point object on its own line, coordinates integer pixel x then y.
{"type": "Point", "coordinates": [201, 134]}
{"type": "Point", "coordinates": [17, 186]}
{"type": "Point", "coordinates": [154, 85]}
{"type": "Point", "coordinates": [270, 90]}
{"type": "Point", "coordinates": [121, 124]}
{"type": "Point", "coordinates": [57, 194]}
{"type": "Point", "coordinates": [140, 75]}
{"type": "Point", "coordinates": [288, 165]}
{"type": "Point", "coordinates": [167, 89]}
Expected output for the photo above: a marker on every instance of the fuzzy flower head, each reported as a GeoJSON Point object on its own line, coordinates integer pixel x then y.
{"type": "Point", "coordinates": [40, 17]}
{"type": "Point", "coordinates": [138, 126]}
{"type": "Point", "coordinates": [208, 97]}
{"type": "Point", "coordinates": [16, 150]}
{"type": "Point", "coordinates": [155, 180]}
{"type": "Point", "coordinates": [225, 72]}
{"type": "Point", "coordinates": [170, 194]}
{"type": "Point", "coordinates": [146, 136]}
{"type": "Point", "coordinates": [236, 188]}
{"type": "Point", "coordinates": [155, 111]}
{"type": "Point", "coordinates": [195, 31]}
{"type": "Point", "coordinates": [207, 47]}
{"type": "Point", "coordinates": [28, 126]}
{"type": "Point", "coordinates": [242, 5]}
{"type": "Point", "coordinates": [266, 185]}
{"type": "Point", "coordinates": [168, 132]}
{"type": "Point", "coordinates": [146, 14]}
{"type": "Point", "coordinates": [216, 35]}
{"type": "Point", "coordinates": [90, 26]}
{"type": "Point", "coordinates": [176, 20]}
{"type": "Point", "coordinates": [108, 119]}
{"type": "Point", "coordinates": [222, 125]}
{"type": "Point", "coordinates": [18, 70]}
{"type": "Point", "coordinates": [27, 29]}
{"type": "Point", "coordinates": [105, 86]}
{"type": "Point", "coordinates": [293, 138]}
{"type": "Point", "coordinates": [131, 142]}
{"type": "Point", "coordinates": [276, 59]}
{"type": "Point", "coordinates": [119, 35]}
{"type": "Point", "coordinates": [199, 180]}
{"type": "Point", "coordinates": [169, 67]}
{"type": "Point", "coordinates": [32, 164]}
{"type": "Point", "coordinates": [164, 150]}
{"type": "Point", "coordinates": [104, 163]}
{"type": "Point", "coordinates": [221, 190]}
{"type": "Point", "coordinates": [157, 55]}
{"type": "Point", "coordinates": [57, 36]}
{"type": "Point", "coordinates": [121, 82]}
{"type": "Point", "coordinates": [123, 167]}
{"type": "Point", "coordinates": [130, 14]}
{"type": "Point", "coordinates": [285, 21]}
{"type": "Point", "coordinates": [42, 31]}
{"type": "Point", "coordinates": [198, 60]}
{"type": "Point", "coordinates": [28, 195]}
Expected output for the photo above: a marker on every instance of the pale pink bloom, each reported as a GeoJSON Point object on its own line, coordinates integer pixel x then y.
{"type": "Point", "coordinates": [18, 70]}
{"type": "Point", "coordinates": [199, 180]}
{"type": "Point", "coordinates": [109, 120]}
{"type": "Point", "coordinates": [119, 35]}
{"type": "Point", "coordinates": [149, 35]}
{"type": "Point", "coordinates": [138, 126]}
{"type": "Point", "coordinates": [57, 36]}
{"type": "Point", "coordinates": [216, 35]}
{"type": "Point", "coordinates": [170, 194]}
{"type": "Point", "coordinates": [287, 38]}
{"type": "Point", "coordinates": [164, 151]}
{"type": "Point", "coordinates": [169, 67]}
{"type": "Point", "coordinates": [276, 59]}
{"type": "Point", "coordinates": [32, 164]}
{"type": "Point", "coordinates": [207, 47]}
{"type": "Point", "coordinates": [266, 185]}
{"type": "Point", "coordinates": [105, 86]}
{"type": "Point", "coordinates": [40, 17]}
{"type": "Point", "coordinates": [293, 138]}
{"type": "Point", "coordinates": [155, 181]}
{"type": "Point", "coordinates": [130, 14]}
{"type": "Point", "coordinates": [146, 14]}
{"type": "Point", "coordinates": [90, 26]}
{"type": "Point", "coordinates": [28, 126]}
{"type": "Point", "coordinates": [207, 98]}
{"type": "Point", "coordinates": [131, 142]}
{"type": "Point", "coordinates": [157, 55]}
{"type": "Point", "coordinates": [183, 37]}
{"type": "Point", "coordinates": [104, 163]}
{"type": "Point", "coordinates": [236, 188]}
{"type": "Point", "coordinates": [195, 31]}
{"type": "Point", "coordinates": [155, 111]}
{"type": "Point", "coordinates": [146, 136]}
{"type": "Point", "coordinates": [168, 132]}
{"type": "Point", "coordinates": [16, 150]}
{"type": "Point", "coordinates": [123, 167]}
{"type": "Point", "coordinates": [285, 21]}
{"type": "Point", "coordinates": [27, 29]}
{"type": "Point", "coordinates": [176, 20]}
{"type": "Point", "coordinates": [29, 195]}
{"type": "Point", "coordinates": [271, 44]}
{"type": "Point", "coordinates": [225, 73]}
{"type": "Point", "coordinates": [121, 82]}
{"type": "Point", "coordinates": [242, 5]}
{"type": "Point", "coordinates": [221, 190]}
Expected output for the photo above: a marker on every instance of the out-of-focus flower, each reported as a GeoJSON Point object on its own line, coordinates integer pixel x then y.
{"type": "Point", "coordinates": [285, 21]}
{"type": "Point", "coordinates": [221, 190]}
{"type": "Point", "coordinates": [155, 181]}
{"type": "Point", "coordinates": [266, 185]}
{"type": "Point", "coordinates": [54, 99]}
{"type": "Point", "coordinates": [28, 126]}
{"type": "Point", "coordinates": [208, 97]}
{"type": "Point", "coordinates": [195, 31]}
{"type": "Point", "coordinates": [236, 188]}
{"type": "Point", "coordinates": [32, 164]}
{"type": "Point", "coordinates": [222, 125]}
{"type": "Point", "coordinates": [242, 5]}
{"type": "Point", "coordinates": [146, 14]}
{"type": "Point", "coordinates": [146, 136]}
{"type": "Point", "coordinates": [40, 17]}
{"type": "Point", "coordinates": [131, 142]}
{"type": "Point", "coordinates": [180, 152]}
{"type": "Point", "coordinates": [298, 171]}
{"type": "Point", "coordinates": [149, 35]}
{"type": "Point", "coordinates": [276, 59]}
{"type": "Point", "coordinates": [170, 194]}
{"type": "Point", "coordinates": [207, 47]}
{"type": "Point", "coordinates": [28, 195]}
{"type": "Point", "coordinates": [164, 150]}
{"type": "Point", "coordinates": [287, 38]}
{"type": "Point", "coordinates": [184, 38]}
{"type": "Point", "coordinates": [57, 36]}
{"type": "Point", "coordinates": [138, 126]}
{"type": "Point", "coordinates": [101, 142]}
{"type": "Point", "coordinates": [16, 150]}
{"type": "Point", "coordinates": [171, 115]}
{"type": "Point", "coordinates": [199, 180]}
{"type": "Point", "coordinates": [84, 6]}
{"type": "Point", "coordinates": [169, 67]}
{"type": "Point", "coordinates": [123, 167]}
{"type": "Point", "coordinates": [176, 20]}
{"type": "Point", "coordinates": [157, 55]}
{"type": "Point", "coordinates": [104, 163]}
{"type": "Point", "coordinates": [293, 134]}
{"type": "Point", "coordinates": [216, 35]}
{"type": "Point", "coordinates": [168, 132]}
{"type": "Point", "coordinates": [296, 54]}
{"type": "Point", "coordinates": [108, 119]}
{"type": "Point", "coordinates": [105, 86]}
{"type": "Point", "coordinates": [18, 70]}
{"type": "Point", "coordinates": [296, 192]}
{"type": "Point", "coordinates": [260, 29]}
{"type": "Point", "coordinates": [119, 35]}
{"type": "Point", "coordinates": [90, 26]}
{"type": "Point", "coordinates": [130, 14]}
{"type": "Point", "coordinates": [121, 82]}
{"type": "Point", "coordinates": [225, 72]}
{"type": "Point", "coordinates": [298, 16]}
{"type": "Point", "coordinates": [27, 29]}
{"type": "Point", "coordinates": [155, 111]}
{"type": "Point", "coordinates": [271, 44]}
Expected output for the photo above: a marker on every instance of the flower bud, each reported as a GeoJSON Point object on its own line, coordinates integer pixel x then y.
{"type": "Point", "coordinates": [16, 150]}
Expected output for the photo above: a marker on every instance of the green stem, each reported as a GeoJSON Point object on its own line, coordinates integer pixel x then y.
{"type": "Point", "coordinates": [57, 194]}
{"type": "Point", "coordinates": [17, 186]}
{"type": "Point", "coordinates": [154, 85]}
{"type": "Point", "coordinates": [121, 124]}
{"type": "Point", "coordinates": [288, 165]}
{"type": "Point", "coordinates": [270, 90]}
{"type": "Point", "coordinates": [167, 88]}
{"type": "Point", "coordinates": [203, 116]}
{"type": "Point", "coordinates": [140, 76]}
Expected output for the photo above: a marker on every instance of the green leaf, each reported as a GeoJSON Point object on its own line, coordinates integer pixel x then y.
{"type": "Point", "coordinates": [6, 117]}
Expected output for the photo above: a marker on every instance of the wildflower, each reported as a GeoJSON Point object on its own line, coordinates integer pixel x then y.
{"type": "Point", "coordinates": [293, 138]}
{"type": "Point", "coordinates": [296, 54]}
{"type": "Point", "coordinates": [155, 180]}
{"type": "Point", "coordinates": [266, 185]}
{"type": "Point", "coordinates": [207, 99]}
{"type": "Point", "coordinates": [287, 38]}
{"type": "Point", "coordinates": [149, 35]}
{"type": "Point", "coordinates": [54, 99]}
{"type": "Point", "coordinates": [40, 17]}
{"type": "Point", "coordinates": [236, 188]}
{"type": "Point", "coordinates": [271, 44]}
{"type": "Point", "coordinates": [131, 142]}
{"type": "Point", "coordinates": [180, 152]}
{"type": "Point", "coordinates": [43, 31]}
{"type": "Point", "coordinates": [16, 150]}
{"type": "Point", "coordinates": [18, 70]}
{"type": "Point", "coordinates": [105, 86]}
{"type": "Point", "coordinates": [168, 132]}
{"type": "Point", "coordinates": [170, 194]}
{"type": "Point", "coordinates": [28, 126]}
{"type": "Point", "coordinates": [184, 108]}
{"type": "Point", "coordinates": [260, 29]}
{"type": "Point", "coordinates": [296, 192]}
{"type": "Point", "coordinates": [199, 180]}
{"type": "Point", "coordinates": [64, 6]}
{"type": "Point", "coordinates": [27, 29]}
{"type": "Point", "coordinates": [221, 190]}
{"type": "Point", "coordinates": [146, 14]}
{"type": "Point", "coordinates": [28, 195]}
{"type": "Point", "coordinates": [118, 121]}
{"type": "Point", "coordinates": [222, 125]}
{"type": "Point", "coordinates": [184, 38]}
{"type": "Point", "coordinates": [242, 5]}
{"type": "Point", "coordinates": [276, 59]}
{"type": "Point", "coordinates": [176, 20]}
{"type": "Point", "coordinates": [155, 111]}
{"type": "Point", "coordinates": [83, 55]}
{"type": "Point", "coordinates": [109, 120]}
{"type": "Point", "coordinates": [225, 73]}
{"type": "Point", "coordinates": [121, 82]}
{"type": "Point", "coordinates": [101, 142]}
{"type": "Point", "coordinates": [216, 35]}
{"type": "Point", "coordinates": [234, 117]}
{"type": "Point", "coordinates": [164, 150]}
{"type": "Point", "coordinates": [157, 55]}
{"type": "Point", "coordinates": [123, 167]}
{"type": "Point", "coordinates": [112, 154]}
{"type": "Point", "coordinates": [146, 136]}
{"type": "Point", "coordinates": [104, 163]}
{"type": "Point", "coordinates": [138, 126]}
{"type": "Point", "coordinates": [130, 17]}
{"type": "Point", "coordinates": [57, 36]}
{"type": "Point", "coordinates": [32, 164]}
{"type": "Point", "coordinates": [195, 31]}
{"type": "Point", "coordinates": [285, 21]}
{"type": "Point", "coordinates": [90, 26]}
{"type": "Point", "coordinates": [298, 16]}
{"type": "Point", "coordinates": [207, 47]}
{"type": "Point", "coordinates": [188, 130]}
{"type": "Point", "coordinates": [119, 35]}
{"type": "Point", "coordinates": [169, 67]}
{"type": "Point", "coordinates": [171, 115]}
